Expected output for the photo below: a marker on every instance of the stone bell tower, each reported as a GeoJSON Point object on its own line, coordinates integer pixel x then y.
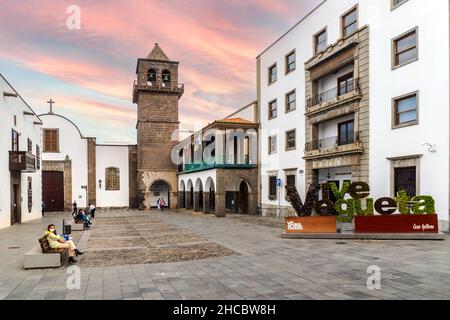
{"type": "Point", "coordinates": [156, 93]}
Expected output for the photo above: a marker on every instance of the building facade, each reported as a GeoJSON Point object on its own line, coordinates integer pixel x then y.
{"type": "Point", "coordinates": [20, 152]}
{"type": "Point", "coordinates": [341, 100]}
{"type": "Point", "coordinates": [76, 168]}
{"type": "Point", "coordinates": [156, 93]}
{"type": "Point", "coordinates": [218, 168]}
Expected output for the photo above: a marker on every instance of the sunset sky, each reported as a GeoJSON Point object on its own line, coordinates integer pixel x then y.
{"type": "Point", "coordinates": [89, 72]}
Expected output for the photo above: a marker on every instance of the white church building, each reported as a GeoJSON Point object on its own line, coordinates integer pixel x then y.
{"type": "Point", "coordinates": [20, 149]}
{"type": "Point", "coordinates": [76, 168]}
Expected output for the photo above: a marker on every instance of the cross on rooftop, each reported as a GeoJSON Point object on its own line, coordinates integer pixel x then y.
{"type": "Point", "coordinates": [51, 102]}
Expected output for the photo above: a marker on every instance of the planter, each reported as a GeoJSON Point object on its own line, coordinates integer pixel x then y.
{"type": "Point", "coordinates": [397, 224]}
{"type": "Point", "coordinates": [310, 225]}
{"type": "Point", "coordinates": [345, 227]}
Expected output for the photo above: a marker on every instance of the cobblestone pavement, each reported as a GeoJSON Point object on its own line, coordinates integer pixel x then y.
{"type": "Point", "coordinates": [264, 266]}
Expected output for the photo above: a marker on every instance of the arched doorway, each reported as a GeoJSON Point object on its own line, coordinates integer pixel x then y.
{"type": "Point", "coordinates": [210, 199]}
{"type": "Point", "coordinates": [159, 189]}
{"type": "Point", "coordinates": [198, 205]}
{"type": "Point", "coordinates": [243, 198]}
{"type": "Point", "coordinates": [181, 197]}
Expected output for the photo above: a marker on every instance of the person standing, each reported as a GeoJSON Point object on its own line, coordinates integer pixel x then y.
{"type": "Point", "coordinates": [158, 203]}
{"type": "Point", "coordinates": [162, 204]}
{"type": "Point", "coordinates": [74, 208]}
{"type": "Point", "coordinates": [92, 211]}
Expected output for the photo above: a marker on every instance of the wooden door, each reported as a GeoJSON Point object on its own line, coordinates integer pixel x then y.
{"type": "Point", "coordinates": [15, 205]}
{"type": "Point", "coordinates": [53, 191]}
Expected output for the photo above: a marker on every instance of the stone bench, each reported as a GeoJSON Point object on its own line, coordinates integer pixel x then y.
{"type": "Point", "coordinates": [37, 259]}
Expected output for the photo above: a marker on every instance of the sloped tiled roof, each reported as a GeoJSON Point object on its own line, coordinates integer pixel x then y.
{"type": "Point", "coordinates": [235, 121]}
{"type": "Point", "coordinates": [158, 54]}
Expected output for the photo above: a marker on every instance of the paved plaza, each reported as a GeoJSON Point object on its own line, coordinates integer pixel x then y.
{"type": "Point", "coordinates": [189, 256]}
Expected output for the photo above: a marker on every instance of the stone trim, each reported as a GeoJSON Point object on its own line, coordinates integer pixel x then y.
{"type": "Point", "coordinates": [403, 162]}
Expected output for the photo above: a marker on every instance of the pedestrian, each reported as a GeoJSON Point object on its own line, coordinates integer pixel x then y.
{"type": "Point", "coordinates": [158, 204]}
{"type": "Point", "coordinates": [74, 208]}
{"type": "Point", "coordinates": [92, 211]}
{"type": "Point", "coordinates": [43, 208]}
{"type": "Point", "coordinates": [162, 204]}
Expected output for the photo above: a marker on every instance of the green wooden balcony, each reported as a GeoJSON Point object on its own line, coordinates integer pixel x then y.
{"type": "Point", "coordinates": [241, 162]}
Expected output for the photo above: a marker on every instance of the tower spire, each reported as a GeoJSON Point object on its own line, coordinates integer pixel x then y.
{"type": "Point", "coordinates": [158, 54]}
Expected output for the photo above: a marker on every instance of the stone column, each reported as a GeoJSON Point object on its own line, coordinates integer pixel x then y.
{"type": "Point", "coordinates": [188, 200]}
{"type": "Point", "coordinates": [173, 200]}
{"type": "Point", "coordinates": [252, 203]}
{"type": "Point", "coordinates": [206, 202]}
{"type": "Point", "coordinates": [196, 206]}
{"type": "Point", "coordinates": [220, 211]}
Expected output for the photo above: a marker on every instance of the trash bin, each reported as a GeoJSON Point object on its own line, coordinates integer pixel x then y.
{"type": "Point", "coordinates": [67, 229]}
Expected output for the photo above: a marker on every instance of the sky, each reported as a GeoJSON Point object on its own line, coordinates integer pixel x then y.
{"type": "Point", "coordinates": [89, 71]}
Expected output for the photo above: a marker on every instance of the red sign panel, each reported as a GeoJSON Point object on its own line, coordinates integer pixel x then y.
{"type": "Point", "coordinates": [397, 224]}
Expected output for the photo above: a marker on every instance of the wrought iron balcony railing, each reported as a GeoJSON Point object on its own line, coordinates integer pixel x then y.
{"type": "Point", "coordinates": [333, 93]}
{"type": "Point", "coordinates": [331, 142]}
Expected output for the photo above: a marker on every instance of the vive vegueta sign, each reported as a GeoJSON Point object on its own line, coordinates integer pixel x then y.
{"type": "Point", "coordinates": [415, 214]}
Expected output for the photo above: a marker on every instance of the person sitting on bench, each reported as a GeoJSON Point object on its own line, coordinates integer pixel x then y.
{"type": "Point", "coordinates": [57, 242]}
{"type": "Point", "coordinates": [83, 217]}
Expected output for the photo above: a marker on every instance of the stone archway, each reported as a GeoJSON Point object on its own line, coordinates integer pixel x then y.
{"type": "Point", "coordinates": [244, 194]}
{"type": "Point", "coordinates": [159, 189]}
{"type": "Point", "coordinates": [198, 195]}
{"type": "Point", "coordinates": [209, 196]}
{"type": "Point", "coordinates": [189, 195]}
{"type": "Point", "coordinates": [181, 195]}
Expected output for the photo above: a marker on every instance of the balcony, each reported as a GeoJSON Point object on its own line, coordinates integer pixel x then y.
{"type": "Point", "coordinates": [333, 98]}
{"type": "Point", "coordinates": [151, 86]}
{"type": "Point", "coordinates": [22, 161]}
{"type": "Point", "coordinates": [242, 162]}
{"type": "Point", "coordinates": [332, 147]}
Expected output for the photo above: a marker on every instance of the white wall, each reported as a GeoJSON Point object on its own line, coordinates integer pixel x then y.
{"type": "Point", "coordinates": [429, 75]}
{"type": "Point", "coordinates": [202, 175]}
{"type": "Point", "coordinates": [117, 157]}
{"type": "Point", "coordinates": [73, 145]}
{"type": "Point", "coordinates": [10, 106]}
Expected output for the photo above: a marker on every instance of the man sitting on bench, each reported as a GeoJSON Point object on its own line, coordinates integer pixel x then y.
{"type": "Point", "coordinates": [83, 217]}
{"type": "Point", "coordinates": [58, 242]}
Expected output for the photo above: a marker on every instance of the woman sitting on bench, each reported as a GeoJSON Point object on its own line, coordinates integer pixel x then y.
{"type": "Point", "coordinates": [83, 217]}
{"type": "Point", "coordinates": [58, 242]}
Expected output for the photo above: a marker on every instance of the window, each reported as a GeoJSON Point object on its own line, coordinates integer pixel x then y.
{"type": "Point", "coordinates": [320, 41]}
{"type": "Point", "coordinates": [51, 140]}
{"type": "Point", "coordinates": [405, 49]}
{"type": "Point", "coordinates": [346, 133]}
{"type": "Point", "coordinates": [112, 179]}
{"type": "Point", "coordinates": [290, 62]}
{"type": "Point", "coordinates": [151, 76]}
{"type": "Point", "coordinates": [349, 22]}
{"type": "Point", "coordinates": [15, 120]}
{"type": "Point", "coordinates": [405, 111]}
{"type": "Point", "coordinates": [272, 187]}
{"type": "Point", "coordinates": [38, 157]}
{"type": "Point", "coordinates": [291, 103]}
{"type": "Point", "coordinates": [29, 146]}
{"type": "Point", "coordinates": [30, 194]}
{"type": "Point", "coordinates": [405, 179]}
{"type": "Point", "coordinates": [397, 3]}
{"type": "Point", "coordinates": [14, 140]}
{"type": "Point", "coordinates": [272, 74]}
{"type": "Point", "coordinates": [290, 178]}
{"type": "Point", "coordinates": [273, 109]}
{"type": "Point", "coordinates": [272, 144]}
{"type": "Point", "coordinates": [166, 76]}
{"type": "Point", "coordinates": [345, 84]}
{"type": "Point", "coordinates": [291, 140]}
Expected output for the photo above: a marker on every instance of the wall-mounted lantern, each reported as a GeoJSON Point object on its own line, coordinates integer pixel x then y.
{"type": "Point", "coordinates": [100, 183]}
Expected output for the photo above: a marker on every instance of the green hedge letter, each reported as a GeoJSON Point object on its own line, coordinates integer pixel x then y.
{"type": "Point", "coordinates": [423, 205]}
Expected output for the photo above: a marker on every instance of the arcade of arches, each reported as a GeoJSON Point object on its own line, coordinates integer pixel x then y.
{"type": "Point", "coordinates": [226, 194]}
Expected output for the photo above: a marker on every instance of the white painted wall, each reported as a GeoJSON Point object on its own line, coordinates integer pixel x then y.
{"type": "Point", "coordinates": [10, 106]}
{"type": "Point", "coordinates": [72, 144]}
{"type": "Point", "coordinates": [429, 75]}
{"type": "Point", "coordinates": [112, 156]}
{"type": "Point", "coordinates": [330, 128]}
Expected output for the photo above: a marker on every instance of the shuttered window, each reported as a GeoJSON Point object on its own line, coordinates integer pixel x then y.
{"type": "Point", "coordinates": [273, 187]}
{"type": "Point", "coordinates": [51, 140]}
